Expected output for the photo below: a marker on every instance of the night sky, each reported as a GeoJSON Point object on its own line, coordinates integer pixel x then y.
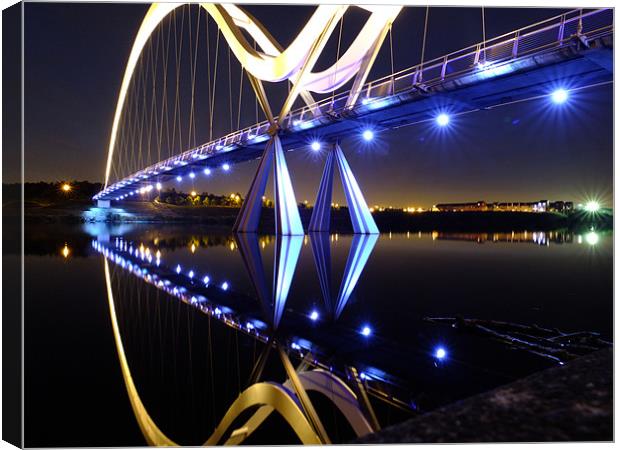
{"type": "Point", "coordinates": [75, 55]}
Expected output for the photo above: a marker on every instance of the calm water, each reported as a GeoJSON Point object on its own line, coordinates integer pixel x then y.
{"type": "Point", "coordinates": [340, 301]}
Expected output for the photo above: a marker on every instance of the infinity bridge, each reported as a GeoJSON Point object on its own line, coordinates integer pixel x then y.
{"type": "Point", "coordinates": [572, 51]}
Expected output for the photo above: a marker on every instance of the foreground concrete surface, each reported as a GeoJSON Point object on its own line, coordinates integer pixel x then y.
{"type": "Point", "coordinates": [573, 402]}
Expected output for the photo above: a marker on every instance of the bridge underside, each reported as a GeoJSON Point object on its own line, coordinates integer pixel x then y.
{"type": "Point", "coordinates": [521, 79]}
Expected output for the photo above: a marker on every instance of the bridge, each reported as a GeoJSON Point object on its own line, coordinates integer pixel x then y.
{"type": "Point", "coordinates": [548, 59]}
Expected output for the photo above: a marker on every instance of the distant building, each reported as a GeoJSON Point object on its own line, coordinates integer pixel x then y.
{"type": "Point", "coordinates": [539, 206]}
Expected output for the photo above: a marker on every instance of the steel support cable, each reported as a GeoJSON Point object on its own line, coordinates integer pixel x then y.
{"type": "Point", "coordinates": [391, 60]}
{"type": "Point", "coordinates": [484, 38]}
{"type": "Point", "coordinates": [142, 113]}
{"type": "Point", "coordinates": [133, 125]}
{"type": "Point", "coordinates": [240, 97]}
{"type": "Point", "coordinates": [176, 76]}
{"type": "Point", "coordinates": [338, 54]}
{"type": "Point", "coordinates": [424, 43]}
{"type": "Point", "coordinates": [192, 118]}
{"type": "Point", "coordinates": [164, 105]}
{"type": "Point", "coordinates": [177, 100]}
{"type": "Point", "coordinates": [153, 113]}
{"type": "Point", "coordinates": [217, 49]}
{"type": "Point", "coordinates": [255, 97]}
{"type": "Point", "coordinates": [127, 156]}
{"type": "Point", "coordinates": [230, 111]}
{"type": "Point", "coordinates": [208, 70]}
{"type": "Point", "coordinates": [145, 113]}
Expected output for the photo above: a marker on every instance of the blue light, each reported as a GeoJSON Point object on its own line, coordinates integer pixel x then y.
{"type": "Point", "coordinates": [226, 167]}
{"type": "Point", "coordinates": [249, 326]}
{"type": "Point", "coordinates": [442, 119]}
{"type": "Point", "coordinates": [191, 274]}
{"type": "Point", "coordinates": [440, 353]}
{"type": "Point", "coordinates": [206, 279]}
{"type": "Point", "coordinates": [314, 315]}
{"type": "Point", "coordinates": [316, 146]}
{"type": "Point", "coordinates": [178, 268]}
{"type": "Point", "coordinates": [559, 96]}
{"type": "Point", "coordinates": [225, 285]}
{"type": "Point", "coordinates": [179, 178]}
{"type": "Point", "coordinates": [207, 171]}
{"type": "Point", "coordinates": [192, 175]}
{"type": "Point", "coordinates": [366, 331]}
{"type": "Point", "coordinates": [368, 135]}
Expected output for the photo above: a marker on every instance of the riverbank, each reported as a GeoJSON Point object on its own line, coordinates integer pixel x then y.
{"type": "Point", "coordinates": [387, 221]}
{"type": "Point", "coordinates": [566, 403]}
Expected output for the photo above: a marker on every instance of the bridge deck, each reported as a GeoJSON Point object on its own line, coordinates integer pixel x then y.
{"type": "Point", "coordinates": [574, 49]}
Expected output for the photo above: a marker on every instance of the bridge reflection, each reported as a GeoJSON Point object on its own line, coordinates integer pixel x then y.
{"type": "Point", "coordinates": [289, 398]}
{"type": "Point", "coordinates": [332, 355]}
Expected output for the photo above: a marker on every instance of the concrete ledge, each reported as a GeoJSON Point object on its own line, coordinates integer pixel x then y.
{"type": "Point", "coordinates": [566, 403]}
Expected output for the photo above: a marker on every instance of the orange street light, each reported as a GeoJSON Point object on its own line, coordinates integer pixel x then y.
{"type": "Point", "coordinates": [66, 187]}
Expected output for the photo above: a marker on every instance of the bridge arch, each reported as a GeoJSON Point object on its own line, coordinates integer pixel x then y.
{"type": "Point", "coordinates": [273, 63]}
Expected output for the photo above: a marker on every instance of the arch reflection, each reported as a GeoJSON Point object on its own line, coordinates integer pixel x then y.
{"type": "Point", "coordinates": [289, 398]}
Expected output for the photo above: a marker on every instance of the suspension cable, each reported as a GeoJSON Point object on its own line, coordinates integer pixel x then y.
{"type": "Point", "coordinates": [208, 72]}
{"type": "Point", "coordinates": [391, 58]}
{"type": "Point", "coordinates": [240, 97]}
{"type": "Point", "coordinates": [230, 111]}
{"type": "Point", "coordinates": [255, 97]}
{"type": "Point", "coordinates": [192, 118]}
{"type": "Point", "coordinates": [338, 54]}
{"type": "Point", "coordinates": [484, 38]}
{"type": "Point", "coordinates": [424, 41]}
{"type": "Point", "coordinates": [217, 49]}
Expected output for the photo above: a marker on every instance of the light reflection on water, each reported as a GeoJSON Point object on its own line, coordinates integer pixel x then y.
{"type": "Point", "coordinates": [356, 301]}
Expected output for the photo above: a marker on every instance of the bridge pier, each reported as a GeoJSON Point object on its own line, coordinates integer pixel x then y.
{"type": "Point", "coordinates": [361, 219]}
{"type": "Point", "coordinates": [288, 221]}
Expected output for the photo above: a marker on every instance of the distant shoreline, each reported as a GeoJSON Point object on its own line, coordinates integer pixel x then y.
{"type": "Point", "coordinates": [392, 220]}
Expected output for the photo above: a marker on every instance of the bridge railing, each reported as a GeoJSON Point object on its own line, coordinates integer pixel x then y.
{"type": "Point", "coordinates": [485, 57]}
{"type": "Point", "coordinates": [489, 58]}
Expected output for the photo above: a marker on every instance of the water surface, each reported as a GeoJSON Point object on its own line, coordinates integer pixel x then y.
{"type": "Point", "coordinates": [359, 302]}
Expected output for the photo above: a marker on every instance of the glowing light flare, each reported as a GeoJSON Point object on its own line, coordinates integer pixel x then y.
{"type": "Point", "coordinates": [65, 251]}
{"type": "Point", "coordinates": [225, 167]}
{"type": "Point", "coordinates": [158, 186]}
{"type": "Point", "coordinates": [66, 187]}
{"type": "Point", "coordinates": [192, 175]}
{"type": "Point", "coordinates": [592, 206]}
{"type": "Point", "coordinates": [559, 96]}
{"type": "Point", "coordinates": [314, 315]}
{"type": "Point", "coordinates": [224, 286]}
{"type": "Point", "coordinates": [315, 146]}
{"type": "Point", "coordinates": [207, 171]}
{"type": "Point", "coordinates": [440, 353]}
{"type": "Point", "coordinates": [442, 119]}
{"type": "Point", "coordinates": [179, 178]}
{"type": "Point", "coordinates": [368, 135]}
{"type": "Point", "coordinates": [366, 331]}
